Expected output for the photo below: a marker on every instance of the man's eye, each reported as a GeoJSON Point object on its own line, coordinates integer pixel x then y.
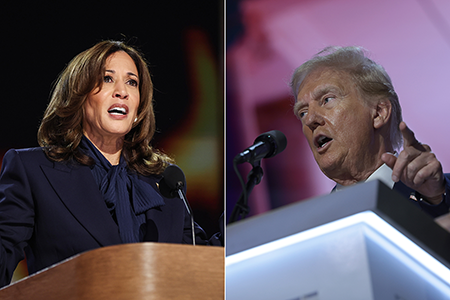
{"type": "Point", "coordinates": [302, 114]}
{"type": "Point", "coordinates": [327, 99]}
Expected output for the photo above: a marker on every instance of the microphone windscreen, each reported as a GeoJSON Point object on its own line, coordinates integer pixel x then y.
{"type": "Point", "coordinates": [174, 177]}
{"type": "Point", "coordinates": [276, 138]}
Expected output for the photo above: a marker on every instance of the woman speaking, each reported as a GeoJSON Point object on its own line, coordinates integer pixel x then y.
{"type": "Point", "coordinates": [94, 180]}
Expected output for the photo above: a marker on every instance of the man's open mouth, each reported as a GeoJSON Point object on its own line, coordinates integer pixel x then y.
{"type": "Point", "coordinates": [321, 141]}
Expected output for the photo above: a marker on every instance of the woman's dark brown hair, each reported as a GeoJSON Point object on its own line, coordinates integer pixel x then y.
{"type": "Point", "coordinates": [61, 128]}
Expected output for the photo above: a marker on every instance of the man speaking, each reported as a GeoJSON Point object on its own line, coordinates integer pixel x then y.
{"type": "Point", "coordinates": [352, 120]}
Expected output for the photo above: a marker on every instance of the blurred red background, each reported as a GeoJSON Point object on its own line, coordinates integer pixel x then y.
{"type": "Point", "coordinates": [183, 44]}
{"type": "Point", "coordinates": [268, 39]}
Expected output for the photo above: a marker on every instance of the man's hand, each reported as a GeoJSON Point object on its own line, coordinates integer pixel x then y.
{"type": "Point", "coordinates": [417, 167]}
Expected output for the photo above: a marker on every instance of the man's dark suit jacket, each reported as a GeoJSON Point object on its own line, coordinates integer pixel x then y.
{"type": "Point", "coordinates": [414, 197]}
{"type": "Point", "coordinates": [433, 210]}
{"type": "Point", "coordinates": [51, 211]}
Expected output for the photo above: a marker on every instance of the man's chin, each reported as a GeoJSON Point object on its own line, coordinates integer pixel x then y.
{"type": "Point", "coordinates": [328, 166]}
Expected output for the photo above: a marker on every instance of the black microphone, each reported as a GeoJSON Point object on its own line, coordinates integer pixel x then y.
{"type": "Point", "coordinates": [266, 145]}
{"type": "Point", "coordinates": [171, 185]}
{"type": "Point", "coordinates": [173, 180]}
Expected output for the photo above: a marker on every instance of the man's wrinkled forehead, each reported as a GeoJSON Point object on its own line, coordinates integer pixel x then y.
{"type": "Point", "coordinates": [321, 81]}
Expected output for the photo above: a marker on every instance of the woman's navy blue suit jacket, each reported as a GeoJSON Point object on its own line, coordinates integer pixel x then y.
{"type": "Point", "coordinates": [51, 211]}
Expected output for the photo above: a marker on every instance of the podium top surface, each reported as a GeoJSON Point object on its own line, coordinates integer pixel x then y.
{"type": "Point", "coordinates": [371, 196]}
{"type": "Point", "coordinates": [129, 271]}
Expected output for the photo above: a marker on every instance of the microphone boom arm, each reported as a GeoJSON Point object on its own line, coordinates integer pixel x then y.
{"type": "Point", "coordinates": [265, 145]}
{"type": "Point", "coordinates": [241, 208]}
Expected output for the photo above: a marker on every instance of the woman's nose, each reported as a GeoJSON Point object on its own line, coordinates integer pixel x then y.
{"type": "Point", "coordinates": [120, 91]}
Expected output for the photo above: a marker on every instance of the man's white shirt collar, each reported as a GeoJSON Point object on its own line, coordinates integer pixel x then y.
{"type": "Point", "coordinates": [383, 173]}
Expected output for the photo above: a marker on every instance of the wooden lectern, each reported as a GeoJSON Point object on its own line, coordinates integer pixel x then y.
{"type": "Point", "coordinates": [130, 271]}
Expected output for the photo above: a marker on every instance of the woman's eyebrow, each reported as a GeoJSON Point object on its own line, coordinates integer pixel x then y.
{"type": "Point", "coordinates": [129, 73]}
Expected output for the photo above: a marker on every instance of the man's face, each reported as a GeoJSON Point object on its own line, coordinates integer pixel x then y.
{"type": "Point", "coordinates": [336, 122]}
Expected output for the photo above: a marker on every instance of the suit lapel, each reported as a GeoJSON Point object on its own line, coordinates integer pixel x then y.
{"type": "Point", "coordinates": [399, 186]}
{"type": "Point", "coordinates": [403, 189]}
{"type": "Point", "coordinates": [76, 188]}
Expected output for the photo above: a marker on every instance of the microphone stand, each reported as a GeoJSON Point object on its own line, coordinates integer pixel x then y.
{"type": "Point", "coordinates": [254, 177]}
{"type": "Point", "coordinates": [173, 183]}
{"type": "Point", "coordinates": [189, 209]}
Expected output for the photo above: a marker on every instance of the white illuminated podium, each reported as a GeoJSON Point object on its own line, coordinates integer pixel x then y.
{"type": "Point", "coordinates": [365, 242]}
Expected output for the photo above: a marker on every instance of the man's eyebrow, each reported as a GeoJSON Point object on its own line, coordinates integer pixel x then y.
{"type": "Point", "coordinates": [298, 105]}
{"type": "Point", "coordinates": [129, 73]}
{"type": "Point", "coordinates": [319, 92]}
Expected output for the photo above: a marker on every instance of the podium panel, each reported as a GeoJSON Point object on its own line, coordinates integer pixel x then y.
{"type": "Point", "coordinates": [346, 245]}
{"type": "Point", "coordinates": [129, 271]}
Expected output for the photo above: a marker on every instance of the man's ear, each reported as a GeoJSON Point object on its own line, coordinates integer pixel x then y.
{"type": "Point", "coordinates": [382, 113]}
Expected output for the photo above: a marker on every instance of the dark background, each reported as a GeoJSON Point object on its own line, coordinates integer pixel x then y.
{"type": "Point", "coordinates": [38, 40]}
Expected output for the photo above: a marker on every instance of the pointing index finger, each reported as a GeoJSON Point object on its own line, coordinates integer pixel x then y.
{"type": "Point", "coordinates": [408, 136]}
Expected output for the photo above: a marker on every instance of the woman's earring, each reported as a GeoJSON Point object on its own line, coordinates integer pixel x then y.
{"type": "Point", "coordinates": [135, 119]}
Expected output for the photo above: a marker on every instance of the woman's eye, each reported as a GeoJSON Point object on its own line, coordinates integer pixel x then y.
{"type": "Point", "coordinates": [107, 79]}
{"type": "Point", "coordinates": [132, 82]}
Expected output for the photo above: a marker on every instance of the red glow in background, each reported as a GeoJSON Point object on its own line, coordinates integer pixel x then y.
{"type": "Point", "coordinates": [183, 44]}
{"type": "Point", "coordinates": [268, 39]}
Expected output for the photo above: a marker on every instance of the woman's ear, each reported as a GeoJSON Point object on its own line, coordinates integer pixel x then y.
{"type": "Point", "coordinates": [382, 113]}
